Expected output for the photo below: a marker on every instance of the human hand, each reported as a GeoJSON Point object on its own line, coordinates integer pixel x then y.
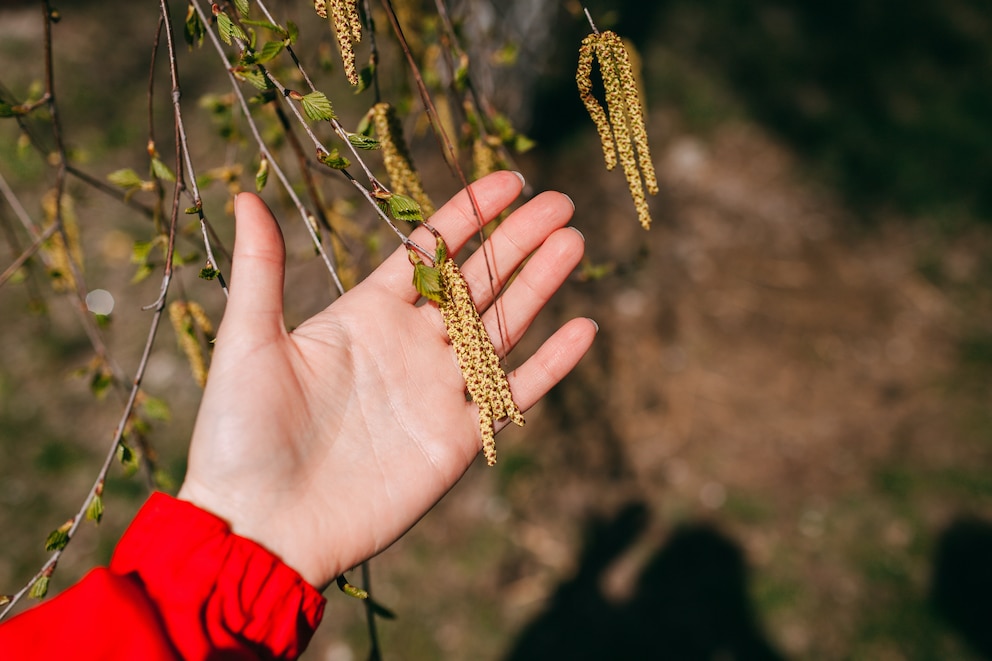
{"type": "Point", "coordinates": [328, 443]}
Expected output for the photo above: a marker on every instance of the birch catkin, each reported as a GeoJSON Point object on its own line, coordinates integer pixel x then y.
{"type": "Point", "coordinates": [189, 320]}
{"type": "Point", "coordinates": [477, 359]}
{"type": "Point", "coordinates": [621, 126]}
{"type": "Point", "coordinates": [347, 29]}
{"type": "Point", "coordinates": [396, 158]}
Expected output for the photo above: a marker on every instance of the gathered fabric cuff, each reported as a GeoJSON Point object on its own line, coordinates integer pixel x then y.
{"type": "Point", "coordinates": [219, 595]}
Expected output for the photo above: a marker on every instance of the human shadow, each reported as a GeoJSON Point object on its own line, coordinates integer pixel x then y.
{"type": "Point", "coordinates": [690, 602]}
{"type": "Point", "coordinates": [961, 588]}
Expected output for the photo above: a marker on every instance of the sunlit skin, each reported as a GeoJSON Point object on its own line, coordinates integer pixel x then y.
{"type": "Point", "coordinates": [327, 443]}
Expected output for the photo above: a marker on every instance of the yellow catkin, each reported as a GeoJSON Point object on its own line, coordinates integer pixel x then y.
{"type": "Point", "coordinates": [622, 133]}
{"type": "Point", "coordinates": [396, 158]}
{"type": "Point", "coordinates": [320, 6]}
{"type": "Point", "coordinates": [583, 78]}
{"type": "Point", "coordinates": [485, 379]}
{"type": "Point", "coordinates": [189, 321]}
{"type": "Point", "coordinates": [485, 160]}
{"type": "Point", "coordinates": [635, 110]}
{"type": "Point", "coordinates": [62, 256]}
{"type": "Point", "coordinates": [348, 30]}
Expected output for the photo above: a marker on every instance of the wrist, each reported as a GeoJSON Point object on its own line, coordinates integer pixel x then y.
{"type": "Point", "coordinates": [247, 520]}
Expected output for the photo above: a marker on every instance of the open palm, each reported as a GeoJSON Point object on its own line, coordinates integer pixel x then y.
{"type": "Point", "coordinates": [327, 443]}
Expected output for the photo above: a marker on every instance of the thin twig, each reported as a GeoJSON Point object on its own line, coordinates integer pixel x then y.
{"type": "Point", "coordinates": [264, 149]}
{"type": "Point", "coordinates": [589, 17]}
{"type": "Point", "coordinates": [27, 254]}
{"type": "Point", "coordinates": [449, 151]}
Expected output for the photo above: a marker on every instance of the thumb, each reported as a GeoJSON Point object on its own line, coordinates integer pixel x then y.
{"type": "Point", "coordinates": [257, 271]}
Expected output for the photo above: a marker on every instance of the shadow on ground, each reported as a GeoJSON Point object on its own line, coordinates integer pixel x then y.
{"type": "Point", "coordinates": [691, 602]}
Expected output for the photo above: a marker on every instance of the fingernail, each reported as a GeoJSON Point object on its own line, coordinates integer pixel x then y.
{"type": "Point", "coordinates": [523, 182]}
{"type": "Point", "coordinates": [570, 201]}
{"type": "Point", "coordinates": [594, 323]}
{"type": "Point", "coordinates": [578, 231]}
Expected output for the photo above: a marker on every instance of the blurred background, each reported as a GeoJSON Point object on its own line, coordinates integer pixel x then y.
{"type": "Point", "coordinates": [780, 445]}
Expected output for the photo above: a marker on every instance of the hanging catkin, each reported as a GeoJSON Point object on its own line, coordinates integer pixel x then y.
{"type": "Point", "coordinates": [480, 366]}
{"type": "Point", "coordinates": [396, 158]}
{"type": "Point", "coordinates": [621, 126]}
{"type": "Point", "coordinates": [347, 29]}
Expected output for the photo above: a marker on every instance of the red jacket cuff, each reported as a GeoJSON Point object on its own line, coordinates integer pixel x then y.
{"type": "Point", "coordinates": [216, 592]}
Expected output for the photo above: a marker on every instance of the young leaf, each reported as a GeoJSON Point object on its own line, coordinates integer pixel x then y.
{"type": "Point", "coordinates": [440, 251]}
{"type": "Point", "coordinates": [40, 588]}
{"type": "Point", "coordinates": [279, 30]}
{"type": "Point", "coordinates": [161, 171]}
{"type": "Point", "coordinates": [163, 480]}
{"type": "Point", "coordinates": [262, 174]}
{"type": "Point", "coordinates": [269, 51]}
{"type": "Point", "coordinates": [333, 160]}
{"type": "Point", "coordinates": [252, 76]}
{"type": "Point", "coordinates": [317, 106]}
{"type": "Point", "coordinates": [7, 110]}
{"type": "Point", "coordinates": [208, 272]}
{"type": "Point", "coordinates": [228, 30]}
{"type": "Point", "coordinates": [193, 29]}
{"type": "Point", "coordinates": [155, 408]}
{"type": "Point", "coordinates": [59, 538]}
{"type": "Point", "coordinates": [363, 141]}
{"type": "Point", "coordinates": [125, 178]}
{"type": "Point", "coordinates": [365, 78]}
{"type": "Point", "coordinates": [100, 382]}
{"type": "Point", "coordinates": [402, 207]}
{"type": "Point", "coordinates": [242, 7]}
{"type": "Point", "coordinates": [427, 282]}
{"type": "Point", "coordinates": [125, 455]}
{"type": "Point", "coordinates": [94, 511]}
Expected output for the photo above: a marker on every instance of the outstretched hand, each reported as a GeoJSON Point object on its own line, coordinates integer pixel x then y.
{"type": "Point", "coordinates": [327, 443]}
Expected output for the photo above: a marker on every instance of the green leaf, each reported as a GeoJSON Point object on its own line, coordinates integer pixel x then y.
{"type": "Point", "coordinates": [142, 273]}
{"type": "Point", "coordinates": [208, 273]}
{"type": "Point", "coordinates": [403, 207]}
{"type": "Point", "coordinates": [100, 382]}
{"type": "Point", "coordinates": [193, 30]}
{"type": "Point", "coordinates": [279, 30]}
{"type": "Point", "coordinates": [242, 7]}
{"type": "Point", "coordinates": [228, 30]}
{"type": "Point", "coordinates": [40, 588]}
{"type": "Point", "coordinates": [163, 480]}
{"type": "Point", "coordinates": [365, 78]}
{"type": "Point", "coordinates": [94, 511]}
{"type": "Point", "coordinates": [317, 106]}
{"type": "Point", "coordinates": [125, 455]}
{"type": "Point", "coordinates": [333, 160]}
{"type": "Point", "coordinates": [522, 144]}
{"type": "Point", "coordinates": [262, 174]}
{"type": "Point", "coordinates": [58, 539]}
{"type": "Point", "coordinates": [440, 251]}
{"type": "Point", "coordinates": [427, 281]}
{"type": "Point", "coordinates": [161, 171]}
{"type": "Point", "coordinates": [269, 51]}
{"type": "Point", "coordinates": [125, 178]}
{"type": "Point", "coordinates": [7, 110]}
{"type": "Point", "coordinates": [293, 32]}
{"type": "Point", "coordinates": [252, 76]}
{"type": "Point", "coordinates": [155, 408]}
{"type": "Point", "coordinates": [363, 141]}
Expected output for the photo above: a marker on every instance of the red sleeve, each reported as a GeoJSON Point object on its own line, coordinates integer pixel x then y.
{"type": "Point", "coordinates": [180, 586]}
